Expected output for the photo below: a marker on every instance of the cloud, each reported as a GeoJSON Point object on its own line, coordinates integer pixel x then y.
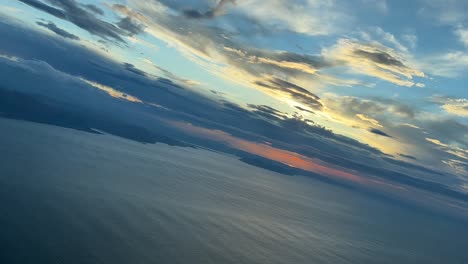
{"type": "Point", "coordinates": [276, 154]}
{"type": "Point", "coordinates": [211, 13]}
{"type": "Point", "coordinates": [115, 91]}
{"type": "Point", "coordinates": [291, 90]}
{"type": "Point", "coordinates": [131, 26]}
{"type": "Point", "coordinates": [304, 109]}
{"type": "Point", "coordinates": [407, 156]}
{"type": "Point", "coordinates": [369, 119]}
{"type": "Point", "coordinates": [171, 76]}
{"type": "Point", "coordinates": [126, 11]}
{"type": "Point", "coordinates": [379, 132]}
{"type": "Point", "coordinates": [445, 12]}
{"type": "Point", "coordinates": [210, 49]}
{"type": "Point", "coordinates": [450, 64]}
{"type": "Point", "coordinates": [462, 34]}
{"type": "Point", "coordinates": [94, 9]}
{"type": "Point", "coordinates": [70, 101]}
{"type": "Point", "coordinates": [352, 105]}
{"type": "Point", "coordinates": [432, 139]}
{"type": "Point", "coordinates": [58, 86]}
{"type": "Point", "coordinates": [52, 27]}
{"type": "Point", "coordinates": [368, 108]}
{"type": "Point", "coordinates": [380, 5]}
{"type": "Point", "coordinates": [448, 130]}
{"type": "Point", "coordinates": [436, 142]}
{"type": "Point", "coordinates": [411, 40]}
{"type": "Point", "coordinates": [455, 106]}
{"type": "Point", "coordinates": [287, 76]}
{"type": "Point", "coordinates": [310, 17]}
{"type": "Point", "coordinates": [356, 114]}
{"type": "Point", "coordinates": [266, 110]}
{"type": "Point", "coordinates": [46, 8]}
{"type": "Point", "coordinates": [410, 125]}
{"type": "Point", "coordinates": [103, 74]}
{"type": "Point", "coordinates": [305, 163]}
{"type": "Point", "coordinates": [396, 106]}
{"type": "Point", "coordinates": [390, 39]}
{"type": "Point", "coordinates": [73, 12]}
{"type": "Point", "coordinates": [373, 60]}
{"type": "Point", "coordinates": [379, 57]}
{"type": "Point", "coordinates": [451, 149]}
{"type": "Point", "coordinates": [112, 92]}
{"type": "Point", "coordinates": [460, 167]}
{"type": "Point", "coordinates": [131, 68]}
{"type": "Point", "coordinates": [283, 60]}
{"type": "Point", "coordinates": [217, 47]}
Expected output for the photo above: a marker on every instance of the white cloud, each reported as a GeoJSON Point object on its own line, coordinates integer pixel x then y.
{"type": "Point", "coordinates": [371, 120]}
{"type": "Point", "coordinates": [374, 60]}
{"type": "Point", "coordinates": [451, 64]}
{"type": "Point", "coordinates": [462, 34]}
{"type": "Point", "coordinates": [455, 106]}
{"type": "Point", "coordinates": [410, 125]}
{"type": "Point", "coordinates": [112, 92]}
{"type": "Point", "coordinates": [451, 149]}
{"type": "Point", "coordinates": [411, 40]}
{"type": "Point", "coordinates": [310, 17]}
{"type": "Point", "coordinates": [445, 11]}
{"type": "Point", "coordinates": [459, 167]}
{"type": "Point", "coordinates": [391, 39]}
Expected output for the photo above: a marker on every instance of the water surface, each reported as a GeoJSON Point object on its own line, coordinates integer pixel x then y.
{"type": "Point", "coordinates": [74, 197]}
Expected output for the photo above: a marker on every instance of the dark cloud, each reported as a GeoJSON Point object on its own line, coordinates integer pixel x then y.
{"type": "Point", "coordinates": [452, 105]}
{"type": "Point", "coordinates": [211, 13]}
{"type": "Point", "coordinates": [303, 109]}
{"type": "Point", "coordinates": [94, 9]}
{"type": "Point", "coordinates": [353, 105]}
{"type": "Point", "coordinates": [397, 107]}
{"type": "Point", "coordinates": [61, 32]}
{"type": "Point", "coordinates": [379, 132]}
{"type": "Point", "coordinates": [197, 14]}
{"type": "Point", "coordinates": [43, 110]}
{"type": "Point", "coordinates": [316, 62]}
{"type": "Point", "coordinates": [46, 8]}
{"type": "Point", "coordinates": [451, 133]}
{"type": "Point", "coordinates": [71, 11]}
{"type": "Point", "coordinates": [255, 60]}
{"type": "Point", "coordinates": [215, 40]}
{"type": "Point", "coordinates": [293, 90]}
{"type": "Point", "coordinates": [380, 57]}
{"type": "Point", "coordinates": [131, 26]}
{"type": "Point", "coordinates": [130, 67]}
{"type": "Point", "coordinates": [290, 86]}
{"type": "Point", "coordinates": [376, 110]}
{"type": "Point", "coordinates": [380, 62]}
{"type": "Point", "coordinates": [449, 130]}
{"type": "Point", "coordinates": [174, 77]}
{"type": "Point", "coordinates": [266, 111]}
{"type": "Point", "coordinates": [61, 73]}
{"type": "Point", "coordinates": [403, 109]}
{"type": "Point", "coordinates": [407, 156]}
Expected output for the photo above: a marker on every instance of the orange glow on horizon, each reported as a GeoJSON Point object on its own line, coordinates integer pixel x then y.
{"type": "Point", "coordinates": [267, 151]}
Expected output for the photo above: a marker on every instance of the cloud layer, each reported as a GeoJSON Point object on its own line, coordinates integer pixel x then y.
{"type": "Point", "coordinates": [308, 80]}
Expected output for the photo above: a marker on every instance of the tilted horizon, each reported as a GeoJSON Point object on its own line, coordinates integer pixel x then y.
{"type": "Point", "coordinates": [366, 96]}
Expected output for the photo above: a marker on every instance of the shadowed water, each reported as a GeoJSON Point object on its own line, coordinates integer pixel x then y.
{"type": "Point", "coordinates": [73, 197]}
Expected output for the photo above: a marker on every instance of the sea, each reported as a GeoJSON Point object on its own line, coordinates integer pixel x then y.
{"type": "Point", "coordinates": [69, 196]}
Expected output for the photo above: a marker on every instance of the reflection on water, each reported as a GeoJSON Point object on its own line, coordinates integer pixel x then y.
{"type": "Point", "coordinates": [72, 197]}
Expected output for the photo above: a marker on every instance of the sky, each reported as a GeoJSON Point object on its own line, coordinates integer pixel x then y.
{"type": "Point", "coordinates": [341, 88]}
